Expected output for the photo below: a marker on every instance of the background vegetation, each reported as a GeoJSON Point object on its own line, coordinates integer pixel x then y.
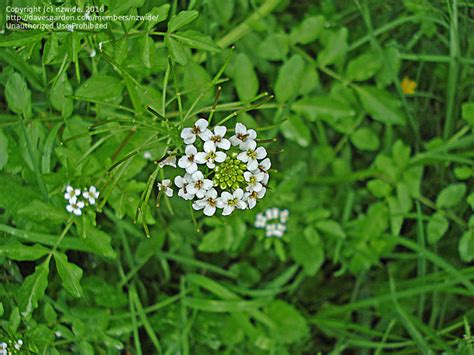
{"type": "Point", "coordinates": [377, 178]}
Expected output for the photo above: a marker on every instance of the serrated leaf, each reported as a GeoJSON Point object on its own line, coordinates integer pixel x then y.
{"type": "Point", "coordinates": [182, 19]}
{"type": "Point", "coordinates": [381, 105]}
{"type": "Point", "coordinates": [289, 78]}
{"type": "Point", "coordinates": [69, 273]}
{"type": "Point", "coordinates": [33, 288]}
{"type": "Point", "coordinates": [18, 95]}
{"type": "Point", "coordinates": [197, 40]}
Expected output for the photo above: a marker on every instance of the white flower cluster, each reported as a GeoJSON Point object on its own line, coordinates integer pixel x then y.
{"type": "Point", "coordinates": [72, 195]}
{"type": "Point", "coordinates": [228, 174]}
{"type": "Point", "coordinates": [273, 220]}
{"type": "Point", "coordinates": [16, 345]}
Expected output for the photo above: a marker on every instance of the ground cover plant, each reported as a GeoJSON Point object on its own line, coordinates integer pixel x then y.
{"type": "Point", "coordinates": [237, 177]}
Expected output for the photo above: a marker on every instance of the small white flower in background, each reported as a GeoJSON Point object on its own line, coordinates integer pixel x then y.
{"type": "Point", "coordinates": [234, 175]}
{"type": "Point", "coordinates": [18, 344]}
{"type": "Point", "coordinates": [229, 202]}
{"type": "Point", "coordinates": [170, 161]}
{"type": "Point", "coordinates": [75, 206]}
{"type": "Point", "coordinates": [91, 195]}
{"type": "Point", "coordinates": [273, 220]}
{"type": "Point", "coordinates": [199, 185]}
{"type": "Point", "coordinates": [147, 155]}
{"type": "Point", "coordinates": [251, 155]}
{"type": "Point", "coordinates": [71, 192]}
{"type": "Point", "coordinates": [183, 182]}
{"type": "Point", "coordinates": [3, 348]}
{"type": "Point", "coordinates": [198, 130]}
{"type": "Point", "coordinates": [243, 137]}
{"type": "Point", "coordinates": [218, 137]}
{"type": "Point", "coordinates": [165, 186]}
{"type": "Point", "coordinates": [58, 334]}
{"type": "Point", "coordinates": [93, 53]}
{"type": "Point", "coordinates": [210, 156]}
{"type": "Point", "coordinates": [208, 203]}
{"type": "Point", "coordinates": [188, 161]}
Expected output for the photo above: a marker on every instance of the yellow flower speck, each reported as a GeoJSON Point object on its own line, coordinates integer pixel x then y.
{"type": "Point", "coordinates": [408, 86]}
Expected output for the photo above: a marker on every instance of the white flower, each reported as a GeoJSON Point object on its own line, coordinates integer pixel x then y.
{"type": "Point", "coordinates": [183, 183]}
{"type": "Point", "coordinates": [71, 192]}
{"type": "Point", "coordinates": [187, 161]}
{"type": "Point", "coordinates": [92, 54]}
{"type": "Point", "coordinates": [198, 186]}
{"type": "Point", "coordinates": [270, 230]}
{"type": "Point", "coordinates": [218, 137]}
{"type": "Point", "coordinates": [147, 155]}
{"type": "Point", "coordinates": [265, 179]}
{"type": "Point", "coordinates": [171, 161]}
{"type": "Point", "coordinates": [165, 186]}
{"type": "Point", "coordinates": [260, 220]}
{"type": "Point", "coordinates": [229, 202]}
{"type": "Point", "coordinates": [251, 197]}
{"type": "Point", "coordinates": [243, 137]}
{"type": "Point", "coordinates": [284, 216]}
{"type": "Point", "coordinates": [251, 155]}
{"type": "Point", "coordinates": [92, 194]}
{"type": "Point", "coordinates": [253, 181]}
{"type": "Point", "coordinates": [3, 348]}
{"type": "Point", "coordinates": [18, 344]}
{"type": "Point", "coordinates": [272, 213]}
{"type": "Point", "coordinates": [275, 230]}
{"type": "Point", "coordinates": [199, 129]}
{"type": "Point", "coordinates": [264, 165]}
{"type": "Point", "coordinates": [58, 334]}
{"type": "Point", "coordinates": [209, 156]}
{"type": "Point", "coordinates": [208, 203]}
{"type": "Point", "coordinates": [75, 206]}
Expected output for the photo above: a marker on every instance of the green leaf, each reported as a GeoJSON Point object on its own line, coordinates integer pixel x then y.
{"type": "Point", "coordinates": [295, 129]}
{"type": "Point", "coordinates": [365, 138]}
{"type": "Point", "coordinates": [468, 112]}
{"type": "Point", "coordinates": [245, 79]}
{"type": "Point", "coordinates": [40, 211]}
{"type": "Point", "coordinates": [291, 326]}
{"type": "Point", "coordinates": [197, 40]}
{"type": "Point", "coordinates": [16, 39]}
{"type": "Point", "coordinates": [308, 30]}
{"type": "Point", "coordinates": [466, 247]}
{"type": "Point", "coordinates": [470, 200]}
{"type": "Point", "coordinates": [323, 108]}
{"type": "Point", "coordinates": [69, 273]}
{"type": "Point", "coordinates": [381, 105]}
{"type": "Point", "coordinates": [178, 53]}
{"type": "Point", "coordinates": [160, 12]}
{"type": "Point", "coordinates": [222, 11]}
{"type": "Point", "coordinates": [307, 250]}
{"type": "Point", "coordinates": [147, 50]}
{"type": "Point", "coordinates": [101, 87]}
{"type": "Point", "coordinates": [3, 150]}
{"type": "Point", "coordinates": [18, 95]}
{"type": "Point", "coordinates": [49, 313]}
{"type": "Point", "coordinates": [363, 67]}
{"type": "Point", "coordinates": [274, 47]}
{"type": "Point", "coordinates": [58, 96]}
{"type": "Point", "coordinates": [289, 78]}
{"type": "Point", "coordinates": [379, 188]}
{"type": "Point", "coordinates": [451, 195]}
{"type": "Point", "coordinates": [32, 289]}
{"type": "Point", "coordinates": [331, 228]}
{"type": "Point", "coordinates": [50, 50]}
{"type": "Point", "coordinates": [437, 227]}
{"type": "Point", "coordinates": [17, 251]}
{"type": "Point", "coordinates": [182, 19]}
{"type": "Point", "coordinates": [217, 240]}
{"type": "Point", "coordinates": [335, 47]}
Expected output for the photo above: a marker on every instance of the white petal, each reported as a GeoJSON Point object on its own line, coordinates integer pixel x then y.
{"type": "Point", "coordinates": [220, 131]}
{"type": "Point", "coordinates": [69, 208]}
{"type": "Point", "coordinates": [205, 135]}
{"type": "Point", "coordinates": [191, 168]}
{"type": "Point", "coordinates": [69, 188]}
{"type": "Point", "coordinates": [252, 164]}
{"type": "Point", "coordinates": [224, 144]}
{"type": "Point", "coordinates": [197, 206]}
{"type": "Point", "coordinates": [80, 204]}
{"type": "Point", "coordinates": [77, 211]}
{"type": "Point", "coordinates": [241, 205]}
{"type": "Point", "coordinates": [179, 181]}
{"type": "Point", "coordinates": [234, 140]}
{"type": "Point", "coordinates": [240, 128]}
{"type": "Point", "coordinates": [197, 176]}
{"type": "Point", "coordinates": [210, 164]}
{"type": "Point", "coordinates": [187, 133]}
{"type": "Point", "coordinates": [92, 201]}
{"type": "Point", "coordinates": [251, 203]}
{"type": "Point", "coordinates": [92, 189]}
{"type": "Point", "coordinates": [265, 164]}
{"type": "Point", "coordinates": [252, 144]}
{"type": "Point", "coordinates": [209, 146]}
{"type": "Point", "coordinates": [220, 157]}
{"type": "Point", "coordinates": [212, 193]}
{"type": "Point", "coordinates": [225, 196]}
{"type": "Point", "coordinates": [243, 157]}
{"type": "Point", "coordinates": [261, 152]}
{"type": "Point", "coordinates": [169, 192]}
{"type": "Point", "coordinates": [184, 162]}
{"type": "Point", "coordinates": [251, 134]}
{"type": "Point", "coordinates": [227, 210]}
{"type": "Point", "coordinates": [190, 150]}
{"type": "Point", "coordinates": [247, 175]}
{"type": "Point", "coordinates": [191, 189]}
{"type": "Point", "coordinates": [201, 124]}
{"type": "Point", "coordinates": [239, 193]}
{"type": "Point", "coordinates": [209, 210]}
{"type": "Point", "coordinates": [200, 158]}
{"type": "Point", "coordinates": [201, 193]}
{"type": "Point", "coordinates": [207, 184]}
{"type": "Point", "coordinates": [189, 140]}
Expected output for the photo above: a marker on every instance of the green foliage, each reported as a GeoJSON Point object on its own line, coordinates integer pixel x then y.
{"type": "Point", "coordinates": [377, 252]}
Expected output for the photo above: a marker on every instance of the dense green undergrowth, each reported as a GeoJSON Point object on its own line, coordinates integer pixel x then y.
{"type": "Point", "coordinates": [376, 176]}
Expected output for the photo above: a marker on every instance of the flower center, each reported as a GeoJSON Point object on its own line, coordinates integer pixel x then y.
{"type": "Point", "coordinates": [242, 137]}
{"type": "Point", "coordinates": [229, 173]}
{"type": "Point", "coordinates": [198, 184]}
{"type": "Point", "coordinates": [196, 130]}
{"type": "Point", "coordinates": [211, 156]}
{"type": "Point", "coordinates": [211, 202]}
{"type": "Point", "coordinates": [232, 202]}
{"type": "Point", "coordinates": [216, 139]}
{"type": "Point", "coordinates": [251, 154]}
